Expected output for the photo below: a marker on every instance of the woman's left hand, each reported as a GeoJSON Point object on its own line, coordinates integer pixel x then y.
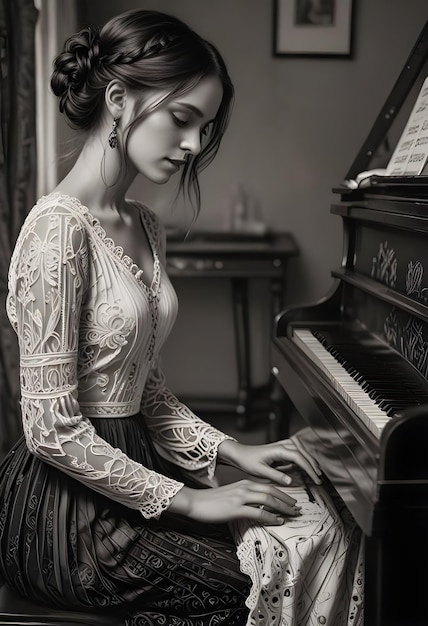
{"type": "Point", "coordinates": [269, 461]}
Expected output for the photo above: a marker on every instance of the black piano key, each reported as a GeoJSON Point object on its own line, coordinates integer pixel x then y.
{"type": "Point", "coordinates": [377, 368]}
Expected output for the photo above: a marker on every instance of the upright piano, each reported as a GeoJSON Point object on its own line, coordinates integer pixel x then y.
{"type": "Point", "coordinates": [355, 364]}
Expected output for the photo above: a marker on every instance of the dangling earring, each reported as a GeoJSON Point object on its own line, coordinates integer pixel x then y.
{"type": "Point", "coordinates": [112, 138]}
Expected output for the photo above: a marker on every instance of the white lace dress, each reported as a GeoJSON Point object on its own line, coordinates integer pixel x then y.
{"type": "Point", "coordinates": [84, 494]}
{"type": "Point", "coordinates": [106, 445]}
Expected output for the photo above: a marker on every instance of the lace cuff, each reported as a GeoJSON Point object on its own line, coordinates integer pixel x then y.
{"type": "Point", "coordinates": [161, 491]}
{"type": "Point", "coordinates": [179, 435]}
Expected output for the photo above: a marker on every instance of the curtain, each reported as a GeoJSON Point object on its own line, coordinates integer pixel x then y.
{"type": "Point", "coordinates": [57, 20]}
{"type": "Point", "coordinates": [17, 180]}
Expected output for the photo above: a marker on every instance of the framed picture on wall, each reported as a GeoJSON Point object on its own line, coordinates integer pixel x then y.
{"type": "Point", "coordinates": [309, 28]}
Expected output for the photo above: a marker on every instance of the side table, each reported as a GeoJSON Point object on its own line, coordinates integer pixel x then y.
{"type": "Point", "coordinates": [239, 257]}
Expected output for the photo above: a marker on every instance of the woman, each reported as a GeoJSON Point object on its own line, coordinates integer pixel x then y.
{"type": "Point", "coordinates": [104, 502]}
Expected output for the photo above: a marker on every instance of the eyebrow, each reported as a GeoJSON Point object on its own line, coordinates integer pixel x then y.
{"type": "Point", "coordinates": [191, 107]}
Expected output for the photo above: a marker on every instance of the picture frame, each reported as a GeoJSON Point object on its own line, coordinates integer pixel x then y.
{"type": "Point", "coordinates": [313, 28]}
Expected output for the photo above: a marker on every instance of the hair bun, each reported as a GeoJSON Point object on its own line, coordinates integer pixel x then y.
{"type": "Point", "coordinates": [73, 65]}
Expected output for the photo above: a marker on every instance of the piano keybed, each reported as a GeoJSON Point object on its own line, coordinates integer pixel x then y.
{"type": "Point", "coordinates": [373, 379]}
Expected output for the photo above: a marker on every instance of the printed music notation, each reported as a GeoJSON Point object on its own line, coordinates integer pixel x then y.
{"type": "Point", "coordinates": [411, 153]}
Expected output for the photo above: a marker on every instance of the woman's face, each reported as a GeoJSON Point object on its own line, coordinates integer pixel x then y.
{"type": "Point", "coordinates": [157, 147]}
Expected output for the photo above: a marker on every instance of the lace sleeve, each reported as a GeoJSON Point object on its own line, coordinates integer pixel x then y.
{"type": "Point", "coordinates": [47, 281]}
{"type": "Point", "coordinates": [178, 434]}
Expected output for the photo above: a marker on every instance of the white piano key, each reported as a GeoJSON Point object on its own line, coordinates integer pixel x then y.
{"type": "Point", "coordinates": [357, 399]}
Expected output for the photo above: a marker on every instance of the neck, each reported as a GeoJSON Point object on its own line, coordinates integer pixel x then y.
{"type": "Point", "coordinates": [100, 178]}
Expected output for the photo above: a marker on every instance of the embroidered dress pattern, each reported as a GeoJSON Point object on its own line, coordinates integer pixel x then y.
{"type": "Point", "coordinates": [308, 571]}
{"type": "Point", "coordinates": [87, 457]}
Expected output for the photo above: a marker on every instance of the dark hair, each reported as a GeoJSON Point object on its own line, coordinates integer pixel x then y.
{"type": "Point", "coordinates": [145, 50]}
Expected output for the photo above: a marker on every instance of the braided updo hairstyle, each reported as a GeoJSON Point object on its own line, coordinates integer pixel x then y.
{"type": "Point", "coordinates": [146, 50]}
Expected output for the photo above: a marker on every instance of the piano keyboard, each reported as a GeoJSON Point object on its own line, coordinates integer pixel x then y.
{"type": "Point", "coordinates": [355, 396]}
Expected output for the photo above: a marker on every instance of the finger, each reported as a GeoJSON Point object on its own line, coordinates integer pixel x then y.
{"type": "Point", "coordinates": [281, 508]}
{"type": "Point", "coordinates": [266, 517]}
{"type": "Point", "coordinates": [258, 492]}
{"type": "Point", "coordinates": [302, 464]}
{"type": "Point", "coordinates": [309, 466]}
{"type": "Point", "coordinates": [309, 459]}
{"type": "Point", "coordinates": [284, 467]}
{"type": "Point", "coordinates": [274, 500]}
{"type": "Point", "coordinates": [262, 516]}
{"type": "Point", "coordinates": [294, 443]}
{"type": "Point", "coordinates": [294, 451]}
{"type": "Point", "coordinates": [274, 475]}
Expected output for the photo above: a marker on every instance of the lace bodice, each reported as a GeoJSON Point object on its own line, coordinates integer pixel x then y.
{"type": "Point", "coordinates": [90, 331]}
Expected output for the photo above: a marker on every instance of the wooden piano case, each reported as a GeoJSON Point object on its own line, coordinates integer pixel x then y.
{"type": "Point", "coordinates": [376, 313]}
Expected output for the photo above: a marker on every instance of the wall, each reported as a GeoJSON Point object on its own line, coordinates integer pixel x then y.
{"type": "Point", "coordinates": [296, 127]}
{"type": "Point", "coordinates": [297, 123]}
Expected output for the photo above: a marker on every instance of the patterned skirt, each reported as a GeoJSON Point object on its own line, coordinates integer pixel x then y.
{"type": "Point", "coordinates": [69, 547]}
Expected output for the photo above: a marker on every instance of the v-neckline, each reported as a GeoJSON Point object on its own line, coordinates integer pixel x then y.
{"type": "Point", "coordinates": [118, 252]}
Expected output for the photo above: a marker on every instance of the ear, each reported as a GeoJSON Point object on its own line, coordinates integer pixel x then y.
{"type": "Point", "coordinates": [115, 97]}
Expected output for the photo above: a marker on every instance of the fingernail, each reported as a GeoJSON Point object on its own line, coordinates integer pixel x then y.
{"type": "Point", "coordinates": [280, 520]}
{"type": "Point", "coordinates": [287, 480]}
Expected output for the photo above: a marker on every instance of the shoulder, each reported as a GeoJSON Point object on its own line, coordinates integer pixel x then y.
{"type": "Point", "coordinates": [52, 210]}
{"type": "Point", "coordinates": [52, 226]}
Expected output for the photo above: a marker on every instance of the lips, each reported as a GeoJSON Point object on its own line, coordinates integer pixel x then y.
{"type": "Point", "coordinates": [174, 164]}
{"type": "Point", "coordinates": [177, 162]}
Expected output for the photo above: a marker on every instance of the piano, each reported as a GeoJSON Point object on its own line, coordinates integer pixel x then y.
{"type": "Point", "coordinates": [355, 364]}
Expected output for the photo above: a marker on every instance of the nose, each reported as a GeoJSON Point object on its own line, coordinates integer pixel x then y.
{"type": "Point", "coordinates": [191, 142]}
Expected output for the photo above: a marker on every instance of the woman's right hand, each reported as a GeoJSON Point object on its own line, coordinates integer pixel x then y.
{"type": "Point", "coordinates": [263, 503]}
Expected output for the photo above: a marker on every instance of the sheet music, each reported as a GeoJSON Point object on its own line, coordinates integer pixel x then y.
{"type": "Point", "coordinates": [411, 153]}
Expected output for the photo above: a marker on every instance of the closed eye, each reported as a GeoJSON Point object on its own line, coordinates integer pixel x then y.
{"type": "Point", "coordinates": [179, 121]}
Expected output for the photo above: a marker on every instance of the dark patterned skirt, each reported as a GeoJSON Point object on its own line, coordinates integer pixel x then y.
{"type": "Point", "coordinates": [67, 546]}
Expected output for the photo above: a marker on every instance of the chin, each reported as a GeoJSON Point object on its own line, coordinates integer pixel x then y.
{"type": "Point", "coordinates": [159, 178]}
